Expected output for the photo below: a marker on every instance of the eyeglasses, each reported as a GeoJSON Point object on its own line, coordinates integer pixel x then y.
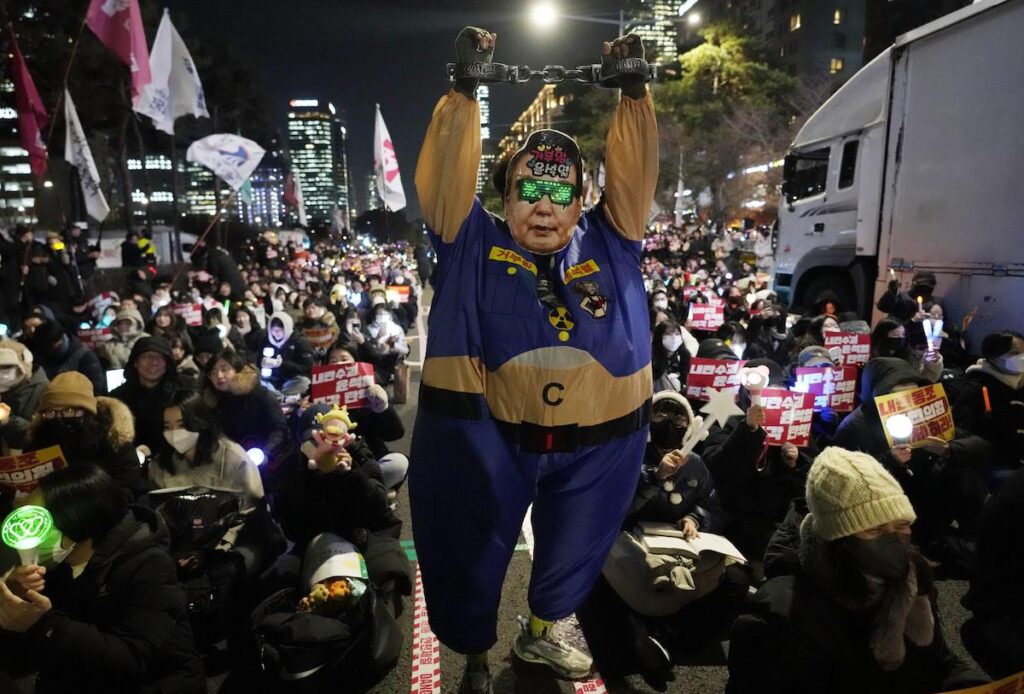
{"type": "Point", "coordinates": [679, 420]}
{"type": "Point", "coordinates": [532, 190]}
{"type": "Point", "coordinates": [62, 413]}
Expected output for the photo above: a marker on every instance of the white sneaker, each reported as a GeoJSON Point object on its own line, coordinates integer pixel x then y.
{"type": "Point", "coordinates": [550, 650]}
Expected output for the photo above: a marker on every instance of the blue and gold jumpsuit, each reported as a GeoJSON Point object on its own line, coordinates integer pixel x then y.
{"type": "Point", "coordinates": [521, 403]}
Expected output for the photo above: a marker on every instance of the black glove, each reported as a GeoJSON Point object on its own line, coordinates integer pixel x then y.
{"type": "Point", "coordinates": [628, 46]}
{"type": "Point", "coordinates": [473, 45]}
{"type": "Point", "coordinates": [894, 286]}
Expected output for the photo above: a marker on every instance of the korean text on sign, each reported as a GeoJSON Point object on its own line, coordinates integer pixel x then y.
{"type": "Point", "coordinates": [342, 384]}
{"type": "Point", "coordinates": [720, 374]}
{"type": "Point", "coordinates": [831, 388]}
{"type": "Point", "coordinates": [21, 473]}
{"type": "Point", "coordinates": [848, 349]}
{"type": "Point", "coordinates": [192, 313]}
{"type": "Point", "coordinates": [787, 416]}
{"type": "Point", "coordinates": [706, 316]}
{"type": "Point", "coordinates": [928, 410]}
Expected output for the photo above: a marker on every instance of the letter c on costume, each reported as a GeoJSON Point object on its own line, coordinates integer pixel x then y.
{"type": "Point", "coordinates": [546, 394]}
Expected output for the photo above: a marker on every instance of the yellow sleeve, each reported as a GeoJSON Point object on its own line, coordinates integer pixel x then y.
{"type": "Point", "coordinates": [447, 168]}
{"type": "Point", "coordinates": [631, 166]}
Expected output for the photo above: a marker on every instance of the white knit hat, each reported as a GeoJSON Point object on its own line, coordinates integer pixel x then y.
{"type": "Point", "coordinates": [848, 492]}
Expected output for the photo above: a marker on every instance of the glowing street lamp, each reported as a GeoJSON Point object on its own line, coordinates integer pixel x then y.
{"type": "Point", "coordinates": [693, 19]}
{"type": "Point", "coordinates": [543, 15]}
{"type": "Point", "coordinates": [24, 530]}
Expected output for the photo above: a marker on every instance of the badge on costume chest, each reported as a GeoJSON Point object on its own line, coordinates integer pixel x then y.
{"type": "Point", "coordinates": [593, 302]}
{"type": "Point", "coordinates": [561, 320]}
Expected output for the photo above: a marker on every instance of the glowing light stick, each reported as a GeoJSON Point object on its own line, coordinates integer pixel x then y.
{"type": "Point", "coordinates": [267, 372]}
{"type": "Point", "coordinates": [256, 456]}
{"type": "Point", "coordinates": [932, 333]}
{"type": "Point", "coordinates": [900, 428]}
{"type": "Point", "coordinates": [24, 529]}
{"type": "Point", "coordinates": [754, 380]}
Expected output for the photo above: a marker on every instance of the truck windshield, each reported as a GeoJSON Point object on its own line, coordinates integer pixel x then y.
{"type": "Point", "coordinates": [805, 174]}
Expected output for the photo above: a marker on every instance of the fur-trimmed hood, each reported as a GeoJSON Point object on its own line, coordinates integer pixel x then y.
{"type": "Point", "coordinates": [121, 431]}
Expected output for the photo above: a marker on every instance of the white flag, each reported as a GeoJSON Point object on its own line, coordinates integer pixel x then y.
{"type": "Point", "coordinates": [231, 157]}
{"type": "Point", "coordinates": [76, 153]}
{"type": "Point", "coordinates": [680, 208]}
{"type": "Point", "coordinates": [175, 89]}
{"type": "Point", "coordinates": [385, 164]}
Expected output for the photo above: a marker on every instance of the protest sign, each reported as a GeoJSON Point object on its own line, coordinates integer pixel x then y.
{"type": "Point", "coordinates": [720, 374]}
{"type": "Point", "coordinates": [192, 313]}
{"type": "Point", "coordinates": [848, 349]}
{"type": "Point", "coordinates": [787, 416]}
{"type": "Point", "coordinates": [342, 384]}
{"type": "Point", "coordinates": [320, 339]}
{"type": "Point", "coordinates": [927, 408]}
{"type": "Point", "coordinates": [831, 388]}
{"type": "Point", "coordinates": [706, 317]}
{"type": "Point", "coordinates": [1014, 684]}
{"type": "Point", "coordinates": [21, 473]}
{"type": "Point", "coordinates": [398, 293]}
{"type": "Point", "coordinates": [93, 338]}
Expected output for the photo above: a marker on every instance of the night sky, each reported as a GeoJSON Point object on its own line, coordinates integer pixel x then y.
{"type": "Point", "coordinates": [356, 53]}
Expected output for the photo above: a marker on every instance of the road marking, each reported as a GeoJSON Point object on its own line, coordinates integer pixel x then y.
{"type": "Point", "coordinates": [425, 677]}
{"type": "Point", "coordinates": [595, 683]}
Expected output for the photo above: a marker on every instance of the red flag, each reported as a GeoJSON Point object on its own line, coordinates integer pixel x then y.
{"type": "Point", "coordinates": [31, 112]}
{"type": "Point", "coordinates": [118, 25]}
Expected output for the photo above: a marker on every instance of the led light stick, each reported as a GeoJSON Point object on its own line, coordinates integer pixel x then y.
{"type": "Point", "coordinates": [900, 428]}
{"type": "Point", "coordinates": [256, 456]}
{"type": "Point", "coordinates": [932, 333]}
{"type": "Point", "coordinates": [24, 529]}
{"type": "Point", "coordinates": [754, 380]}
{"type": "Point", "coordinates": [266, 372]}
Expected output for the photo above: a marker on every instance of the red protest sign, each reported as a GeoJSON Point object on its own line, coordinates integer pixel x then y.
{"type": "Point", "coordinates": [192, 313]}
{"type": "Point", "coordinates": [93, 338]}
{"type": "Point", "coordinates": [21, 473]}
{"type": "Point", "coordinates": [398, 292]}
{"type": "Point", "coordinates": [720, 374]}
{"type": "Point", "coordinates": [848, 349]}
{"type": "Point", "coordinates": [927, 408]}
{"type": "Point", "coordinates": [787, 416]}
{"type": "Point", "coordinates": [320, 339]}
{"type": "Point", "coordinates": [706, 317]}
{"type": "Point", "coordinates": [832, 388]}
{"type": "Point", "coordinates": [342, 384]}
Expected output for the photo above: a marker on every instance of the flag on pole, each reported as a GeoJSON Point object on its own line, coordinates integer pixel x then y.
{"type": "Point", "coordinates": [385, 164]}
{"type": "Point", "coordinates": [175, 89]}
{"type": "Point", "coordinates": [118, 26]}
{"type": "Point", "coordinates": [245, 194]}
{"type": "Point", "coordinates": [77, 153]}
{"type": "Point", "coordinates": [231, 157]}
{"type": "Point", "coordinates": [293, 197]}
{"type": "Point", "coordinates": [31, 112]}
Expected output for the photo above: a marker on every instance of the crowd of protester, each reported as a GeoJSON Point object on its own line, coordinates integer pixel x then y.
{"type": "Point", "coordinates": [203, 382]}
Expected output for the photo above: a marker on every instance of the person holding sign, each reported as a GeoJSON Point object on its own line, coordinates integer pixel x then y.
{"type": "Point", "coordinates": [861, 612]}
{"type": "Point", "coordinates": [537, 382]}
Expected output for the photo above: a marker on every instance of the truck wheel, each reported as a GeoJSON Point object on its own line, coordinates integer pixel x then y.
{"type": "Point", "coordinates": [835, 280]}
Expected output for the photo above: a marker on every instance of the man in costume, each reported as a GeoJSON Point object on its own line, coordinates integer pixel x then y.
{"type": "Point", "coordinates": [536, 384]}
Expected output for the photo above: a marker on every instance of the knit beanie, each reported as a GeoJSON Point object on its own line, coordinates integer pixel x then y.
{"type": "Point", "coordinates": [14, 353]}
{"type": "Point", "coordinates": [848, 492]}
{"type": "Point", "coordinates": [69, 389]}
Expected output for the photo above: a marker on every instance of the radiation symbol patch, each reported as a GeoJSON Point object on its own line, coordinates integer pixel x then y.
{"type": "Point", "coordinates": [560, 318]}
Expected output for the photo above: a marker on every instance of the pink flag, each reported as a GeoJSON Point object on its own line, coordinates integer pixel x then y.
{"type": "Point", "coordinates": [31, 112]}
{"type": "Point", "coordinates": [118, 25]}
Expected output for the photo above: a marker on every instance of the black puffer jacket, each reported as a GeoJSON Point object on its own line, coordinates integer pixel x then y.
{"type": "Point", "coordinates": [148, 404]}
{"type": "Point", "coordinates": [122, 624]}
{"type": "Point", "coordinates": [1002, 424]}
{"type": "Point", "coordinates": [250, 416]}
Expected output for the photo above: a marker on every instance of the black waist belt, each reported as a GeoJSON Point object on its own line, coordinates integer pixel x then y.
{"type": "Point", "coordinates": [534, 438]}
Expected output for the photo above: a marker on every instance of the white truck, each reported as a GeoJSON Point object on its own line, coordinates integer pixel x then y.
{"type": "Point", "coordinates": [163, 239]}
{"type": "Point", "coordinates": [916, 163]}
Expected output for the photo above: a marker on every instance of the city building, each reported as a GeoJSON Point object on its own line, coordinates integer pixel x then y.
{"type": "Point", "coordinates": [152, 184]}
{"type": "Point", "coordinates": [487, 156]}
{"type": "Point", "coordinates": [373, 199]}
{"type": "Point", "coordinates": [311, 149]}
{"type": "Point", "coordinates": [654, 21]}
{"type": "Point", "coordinates": [342, 175]}
{"type": "Point", "coordinates": [267, 208]}
{"type": "Point", "coordinates": [541, 113]}
{"type": "Point", "coordinates": [17, 186]}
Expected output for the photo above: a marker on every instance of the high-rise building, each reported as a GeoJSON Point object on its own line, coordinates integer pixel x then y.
{"type": "Point", "coordinates": [17, 186]}
{"type": "Point", "coordinates": [342, 176]}
{"type": "Point", "coordinates": [267, 208]}
{"type": "Point", "coordinates": [311, 150]}
{"type": "Point", "coordinates": [541, 113]}
{"type": "Point", "coordinates": [373, 201]}
{"type": "Point", "coordinates": [483, 97]}
{"type": "Point", "coordinates": [654, 21]}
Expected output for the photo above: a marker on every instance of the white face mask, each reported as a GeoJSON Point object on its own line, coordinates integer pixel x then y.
{"type": "Point", "coordinates": [182, 440]}
{"type": "Point", "coordinates": [51, 553]}
{"type": "Point", "coordinates": [672, 342]}
{"type": "Point", "coordinates": [8, 379]}
{"type": "Point", "coordinates": [660, 303]}
{"type": "Point", "coordinates": [1013, 363]}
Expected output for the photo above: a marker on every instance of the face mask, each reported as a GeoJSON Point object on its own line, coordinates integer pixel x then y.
{"type": "Point", "coordinates": [892, 346]}
{"type": "Point", "coordinates": [1012, 363]}
{"type": "Point", "coordinates": [51, 553]}
{"type": "Point", "coordinates": [182, 440]}
{"type": "Point", "coordinates": [666, 435]}
{"type": "Point", "coordinates": [884, 557]}
{"type": "Point", "coordinates": [383, 318]}
{"type": "Point", "coordinates": [8, 379]}
{"type": "Point", "coordinates": [672, 342]}
{"type": "Point", "coordinates": [660, 303]}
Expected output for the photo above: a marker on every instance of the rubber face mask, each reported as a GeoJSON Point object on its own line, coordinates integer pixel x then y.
{"type": "Point", "coordinates": [542, 203]}
{"type": "Point", "coordinates": [884, 557]}
{"type": "Point", "coordinates": [181, 440]}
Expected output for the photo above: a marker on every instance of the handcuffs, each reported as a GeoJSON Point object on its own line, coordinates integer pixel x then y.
{"type": "Point", "coordinates": [601, 75]}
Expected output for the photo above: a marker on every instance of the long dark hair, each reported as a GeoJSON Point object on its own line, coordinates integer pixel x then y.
{"type": "Point", "coordinates": [197, 416]}
{"type": "Point", "coordinates": [880, 333]}
{"type": "Point", "coordinates": [660, 360]}
{"type": "Point", "coordinates": [85, 502]}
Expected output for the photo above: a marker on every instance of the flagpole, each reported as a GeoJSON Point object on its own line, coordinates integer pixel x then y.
{"type": "Point", "coordinates": [202, 237]}
{"type": "Point", "coordinates": [67, 75]}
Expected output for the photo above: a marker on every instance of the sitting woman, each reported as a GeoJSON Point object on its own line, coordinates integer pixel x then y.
{"type": "Point", "coordinates": [387, 340]}
{"type": "Point", "coordinates": [108, 615]}
{"type": "Point", "coordinates": [670, 356]}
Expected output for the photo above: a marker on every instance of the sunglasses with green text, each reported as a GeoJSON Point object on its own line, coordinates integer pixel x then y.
{"type": "Point", "coordinates": [532, 190]}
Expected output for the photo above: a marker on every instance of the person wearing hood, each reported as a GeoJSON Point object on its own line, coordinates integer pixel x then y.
{"type": "Point", "coordinates": [943, 479]}
{"type": "Point", "coordinates": [126, 330]}
{"type": "Point", "coordinates": [56, 352]}
{"type": "Point", "coordinates": [150, 379]}
{"type": "Point", "coordinates": [861, 612]}
{"type": "Point", "coordinates": [991, 401]}
{"type": "Point", "coordinates": [105, 613]}
{"type": "Point", "coordinates": [286, 359]}
{"type": "Point", "coordinates": [756, 482]}
{"type": "Point", "coordinates": [904, 306]}
{"type": "Point", "coordinates": [21, 389]}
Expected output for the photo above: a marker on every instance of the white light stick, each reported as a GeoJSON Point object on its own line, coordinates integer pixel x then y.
{"type": "Point", "coordinates": [754, 379]}
{"type": "Point", "coordinates": [932, 333]}
{"type": "Point", "coordinates": [256, 456]}
{"type": "Point", "coordinates": [721, 405]}
{"type": "Point", "coordinates": [900, 428]}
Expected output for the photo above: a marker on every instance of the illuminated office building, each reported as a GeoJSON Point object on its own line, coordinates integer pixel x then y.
{"type": "Point", "coordinates": [541, 113]}
{"type": "Point", "coordinates": [483, 97]}
{"type": "Point", "coordinates": [655, 23]}
{"type": "Point", "coordinates": [311, 147]}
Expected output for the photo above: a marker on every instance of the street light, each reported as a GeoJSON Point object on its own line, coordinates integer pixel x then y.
{"type": "Point", "coordinates": [693, 19]}
{"type": "Point", "coordinates": [544, 14]}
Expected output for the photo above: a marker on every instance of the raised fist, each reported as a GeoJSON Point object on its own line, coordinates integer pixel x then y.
{"type": "Point", "coordinates": [628, 46]}
{"type": "Point", "coordinates": [473, 45]}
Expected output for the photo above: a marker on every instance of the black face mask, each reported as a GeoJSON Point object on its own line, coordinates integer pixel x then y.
{"type": "Point", "coordinates": [892, 347]}
{"type": "Point", "coordinates": [887, 556]}
{"type": "Point", "coordinates": [665, 435]}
